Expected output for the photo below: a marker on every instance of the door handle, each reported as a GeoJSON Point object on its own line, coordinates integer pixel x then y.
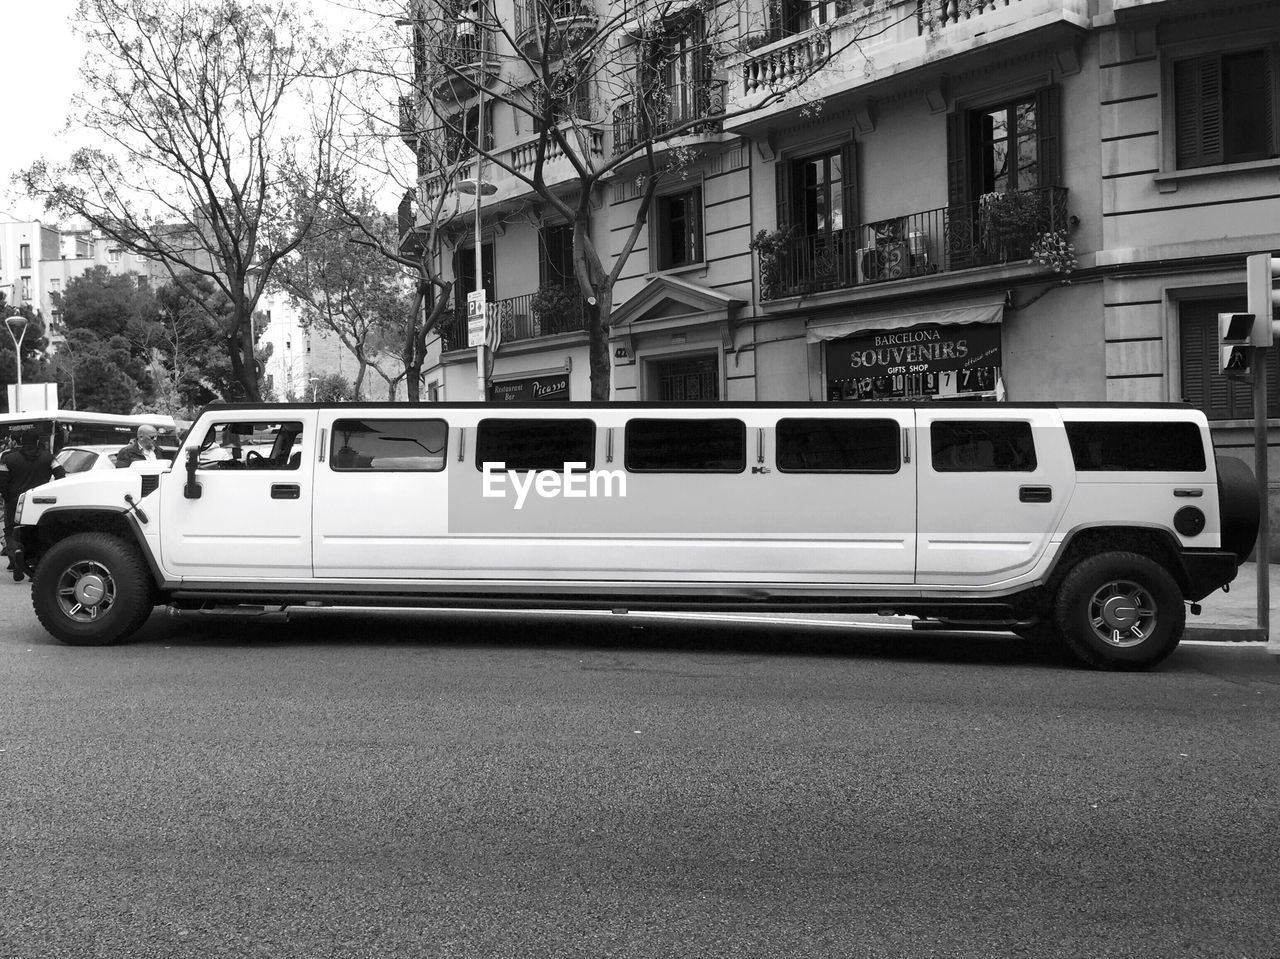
{"type": "Point", "coordinates": [1035, 494]}
{"type": "Point", "coordinates": [285, 491]}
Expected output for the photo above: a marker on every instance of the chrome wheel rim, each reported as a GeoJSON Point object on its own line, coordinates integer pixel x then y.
{"type": "Point", "coordinates": [1122, 613]}
{"type": "Point", "coordinates": [86, 591]}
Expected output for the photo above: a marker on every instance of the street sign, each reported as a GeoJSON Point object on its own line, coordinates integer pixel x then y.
{"type": "Point", "coordinates": [475, 318]}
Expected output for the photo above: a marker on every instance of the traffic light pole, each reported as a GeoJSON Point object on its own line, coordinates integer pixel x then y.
{"type": "Point", "coordinates": [1260, 474]}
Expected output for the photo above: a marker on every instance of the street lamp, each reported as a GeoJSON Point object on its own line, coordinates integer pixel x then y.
{"type": "Point", "coordinates": [313, 380]}
{"type": "Point", "coordinates": [17, 327]}
{"type": "Point", "coordinates": [479, 188]}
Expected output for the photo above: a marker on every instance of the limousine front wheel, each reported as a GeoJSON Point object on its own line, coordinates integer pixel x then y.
{"type": "Point", "coordinates": [91, 589]}
{"type": "Point", "coordinates": [1120, 611]}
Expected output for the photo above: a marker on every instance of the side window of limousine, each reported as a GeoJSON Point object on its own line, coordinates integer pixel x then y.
{"type": "Point", "coordinates": [251, 445]}
{"type": "Point", "coordinates": [378, 445]}
{"type": "Point", "coordinates": [535, 444]}
{"type": "Point", "coordinates": [686, 446]}
{"type": "Point", "coordinates": [831, 445]}
{"type": "Point", "coordinates": [1158, 447]}
{"type": "Point", "coordinates": [982, 446]}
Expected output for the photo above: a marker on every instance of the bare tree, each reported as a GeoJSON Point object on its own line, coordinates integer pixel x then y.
{"type": "Point", "coordinates": [197, 162]}
{"type": "Point", "coordinates": [350, 288]}
{"type": "Point", "coordinates": [659, 67]}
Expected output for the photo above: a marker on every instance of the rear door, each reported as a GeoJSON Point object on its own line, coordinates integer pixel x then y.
{"type": "Point", "coordinates": [993, 483]}
{"type": "Point", "coordinates": [381, 495]}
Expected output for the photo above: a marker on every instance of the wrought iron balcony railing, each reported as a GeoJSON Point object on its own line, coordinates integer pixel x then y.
{"type": "Point", "coordinates": [409, 120]}
{"type": "Point", "coordinates": [999, 228]}
{"type": "Point", "coordinates": [465, 58]}
{"type": "Point", "coordinates": [666, 109]}
{"type": "Point", "coordinates": [561, 23]}
{"type": "Point", "coordinates": [546, 313]}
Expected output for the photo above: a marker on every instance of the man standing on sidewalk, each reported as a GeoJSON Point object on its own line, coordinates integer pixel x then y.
{"type": "Point", "coordinates": [26, 467]}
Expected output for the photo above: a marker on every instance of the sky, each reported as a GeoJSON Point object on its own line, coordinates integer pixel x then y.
{"type": "Point", "coordinates": [42, 51]}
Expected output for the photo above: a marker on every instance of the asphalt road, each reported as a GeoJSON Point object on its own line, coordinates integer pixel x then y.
{"type": "Point", "coordinates": [426, 785]}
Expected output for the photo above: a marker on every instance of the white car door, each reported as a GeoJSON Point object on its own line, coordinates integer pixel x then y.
{"type": "Point", "coordinates": [993, 482]}
{"type": "Point", "coordinates": [252, 518]}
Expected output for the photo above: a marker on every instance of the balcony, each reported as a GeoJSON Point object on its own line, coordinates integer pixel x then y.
{"type": "Point", "coordinates": [564, 24]}
{"type": "Point", "coordinates": [409, 121]}
{"type": "Point", "coordinates": [550, 311]}
{"type": "Point", "coordinates": [668, 109]}
{"type": "Point", "coordinates": [996, 230]}
{"type": "Point", "coordinates": [522, 157]}
{"type": "Point", "coordinates": [466, 61]}
{"type": "Point", "coordinates": [890, 45]}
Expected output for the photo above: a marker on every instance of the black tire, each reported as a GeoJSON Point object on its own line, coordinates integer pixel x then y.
{"type": "Point", "coordinates": [1119, 611]}
{"type": "Point", "coordinates": [92, 589]}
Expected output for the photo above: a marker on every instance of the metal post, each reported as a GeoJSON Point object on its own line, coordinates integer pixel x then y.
{"type": "Point", "coordinates": [482, 381]}
{"type": "Point", "coordinates": [1260, 472]}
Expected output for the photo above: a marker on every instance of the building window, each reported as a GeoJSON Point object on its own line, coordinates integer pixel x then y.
{"type": "Point", "coordinates": [686, 379]}
{"type": "Point", "coordinates": [24, 256]}
{"type": "Point", "coordinates": [818, 194]}
{"type": "Point", "coordinates": [1203, 384]}
{"type": "Point", "coordinates": [461, 131]}
{"type": "Point", "coordinates": [1002, 161]}
{"type": "Point", "coordinates": [797, 16]}
{"type": "Point", "coordinates": [678, 232]}
{"type": "Point", "coordinates": [113, 256]}
{"type": "Point", "coordinates": [55, 284]}
{"type": "Point", "coordinates": [464, 276]}
{"type": "Point", "coordinates": [555, 255]}
{"type": "Point", "coordinates": [26, 287]}
{"type": "Point", "coordinates": [1225, 108]}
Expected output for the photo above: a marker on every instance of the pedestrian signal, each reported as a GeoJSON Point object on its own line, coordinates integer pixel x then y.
{"type": "Point", "coordinates": [1235, 332]}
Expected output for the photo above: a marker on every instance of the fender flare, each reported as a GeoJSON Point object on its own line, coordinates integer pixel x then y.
{"type": "Point", "coordinates": [117, 519]}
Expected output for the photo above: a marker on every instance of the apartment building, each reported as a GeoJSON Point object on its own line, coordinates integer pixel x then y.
{"type": "Point", "coordinates": [24, 245]}
{"type": "Point", "coordinates": [986, 199]}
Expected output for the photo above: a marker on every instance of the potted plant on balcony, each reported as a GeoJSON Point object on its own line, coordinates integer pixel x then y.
{"type": "Point", "coordinates": [771, 247]}
{"type": "Point", "coordinates": [554, 308]}
{"type": "Point", "coordinates": [1010, 222]}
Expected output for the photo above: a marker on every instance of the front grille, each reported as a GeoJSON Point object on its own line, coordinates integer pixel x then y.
{"type": "Point", "coordinates": [149, 484]}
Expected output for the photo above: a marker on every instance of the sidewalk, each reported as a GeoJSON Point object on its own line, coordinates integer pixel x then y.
{"type": "Point", "coordinates": [1224, 615]}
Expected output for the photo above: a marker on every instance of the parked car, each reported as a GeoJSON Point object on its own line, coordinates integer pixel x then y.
{"type": "Point", "coordinates": [78, 459]}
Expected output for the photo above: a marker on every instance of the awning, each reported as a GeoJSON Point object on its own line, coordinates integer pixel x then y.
{"type": "Point", "coordinates": [985, 309]}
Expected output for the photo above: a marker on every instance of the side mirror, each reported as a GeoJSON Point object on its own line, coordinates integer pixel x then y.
{"type": "Point", "coordinates": [192, 489]}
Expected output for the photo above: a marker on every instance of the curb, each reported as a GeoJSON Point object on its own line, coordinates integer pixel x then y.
{"type": "Point", "coordinates": [1225, 634]}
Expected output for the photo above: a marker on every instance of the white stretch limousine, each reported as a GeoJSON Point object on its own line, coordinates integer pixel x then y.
{"type": "Point", "coordinates": [1094, 524]}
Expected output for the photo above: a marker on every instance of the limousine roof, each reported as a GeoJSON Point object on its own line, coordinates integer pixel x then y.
{"type": "Point", "coordinates": [714, 405]}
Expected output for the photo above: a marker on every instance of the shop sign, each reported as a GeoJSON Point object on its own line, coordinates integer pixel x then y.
{"type": "Point", "coordinates": [535, 389]}
{"type": "Point", "coordinates": [922, 362]}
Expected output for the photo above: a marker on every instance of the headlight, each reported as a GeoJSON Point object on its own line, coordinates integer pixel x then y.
{"type": "Point", "coordinates": [17, 513]}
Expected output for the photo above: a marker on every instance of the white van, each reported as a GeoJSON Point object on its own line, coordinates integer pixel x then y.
{"type": "Point", "coordinates": [1096, 524]}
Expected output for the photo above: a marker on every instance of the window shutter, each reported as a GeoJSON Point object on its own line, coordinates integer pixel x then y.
{"type": "Point", "coordinates": [849, 175]}
{"type": "Point", "coordinates": [957, 159]}
{"type": "Point", "coordinates": [1269, 106]}
{"type": "Point", "coordinates": [1197, 93]}
{"type": "Point", "coordinates": [1049, 133]}
{"type": "Point", "coordinates": [782, 177]}
{"type": "Point", "coordinates": [693, 219]}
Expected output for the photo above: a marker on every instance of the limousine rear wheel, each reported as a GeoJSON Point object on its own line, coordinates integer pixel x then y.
{"type": "Point", "coordinates": [91, 589]}
{"type": "Point", "coordinates": [1120, 611]}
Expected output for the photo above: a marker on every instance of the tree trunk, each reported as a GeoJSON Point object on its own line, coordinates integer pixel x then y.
{"type": "Point", "coordinates": [598, 347]}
